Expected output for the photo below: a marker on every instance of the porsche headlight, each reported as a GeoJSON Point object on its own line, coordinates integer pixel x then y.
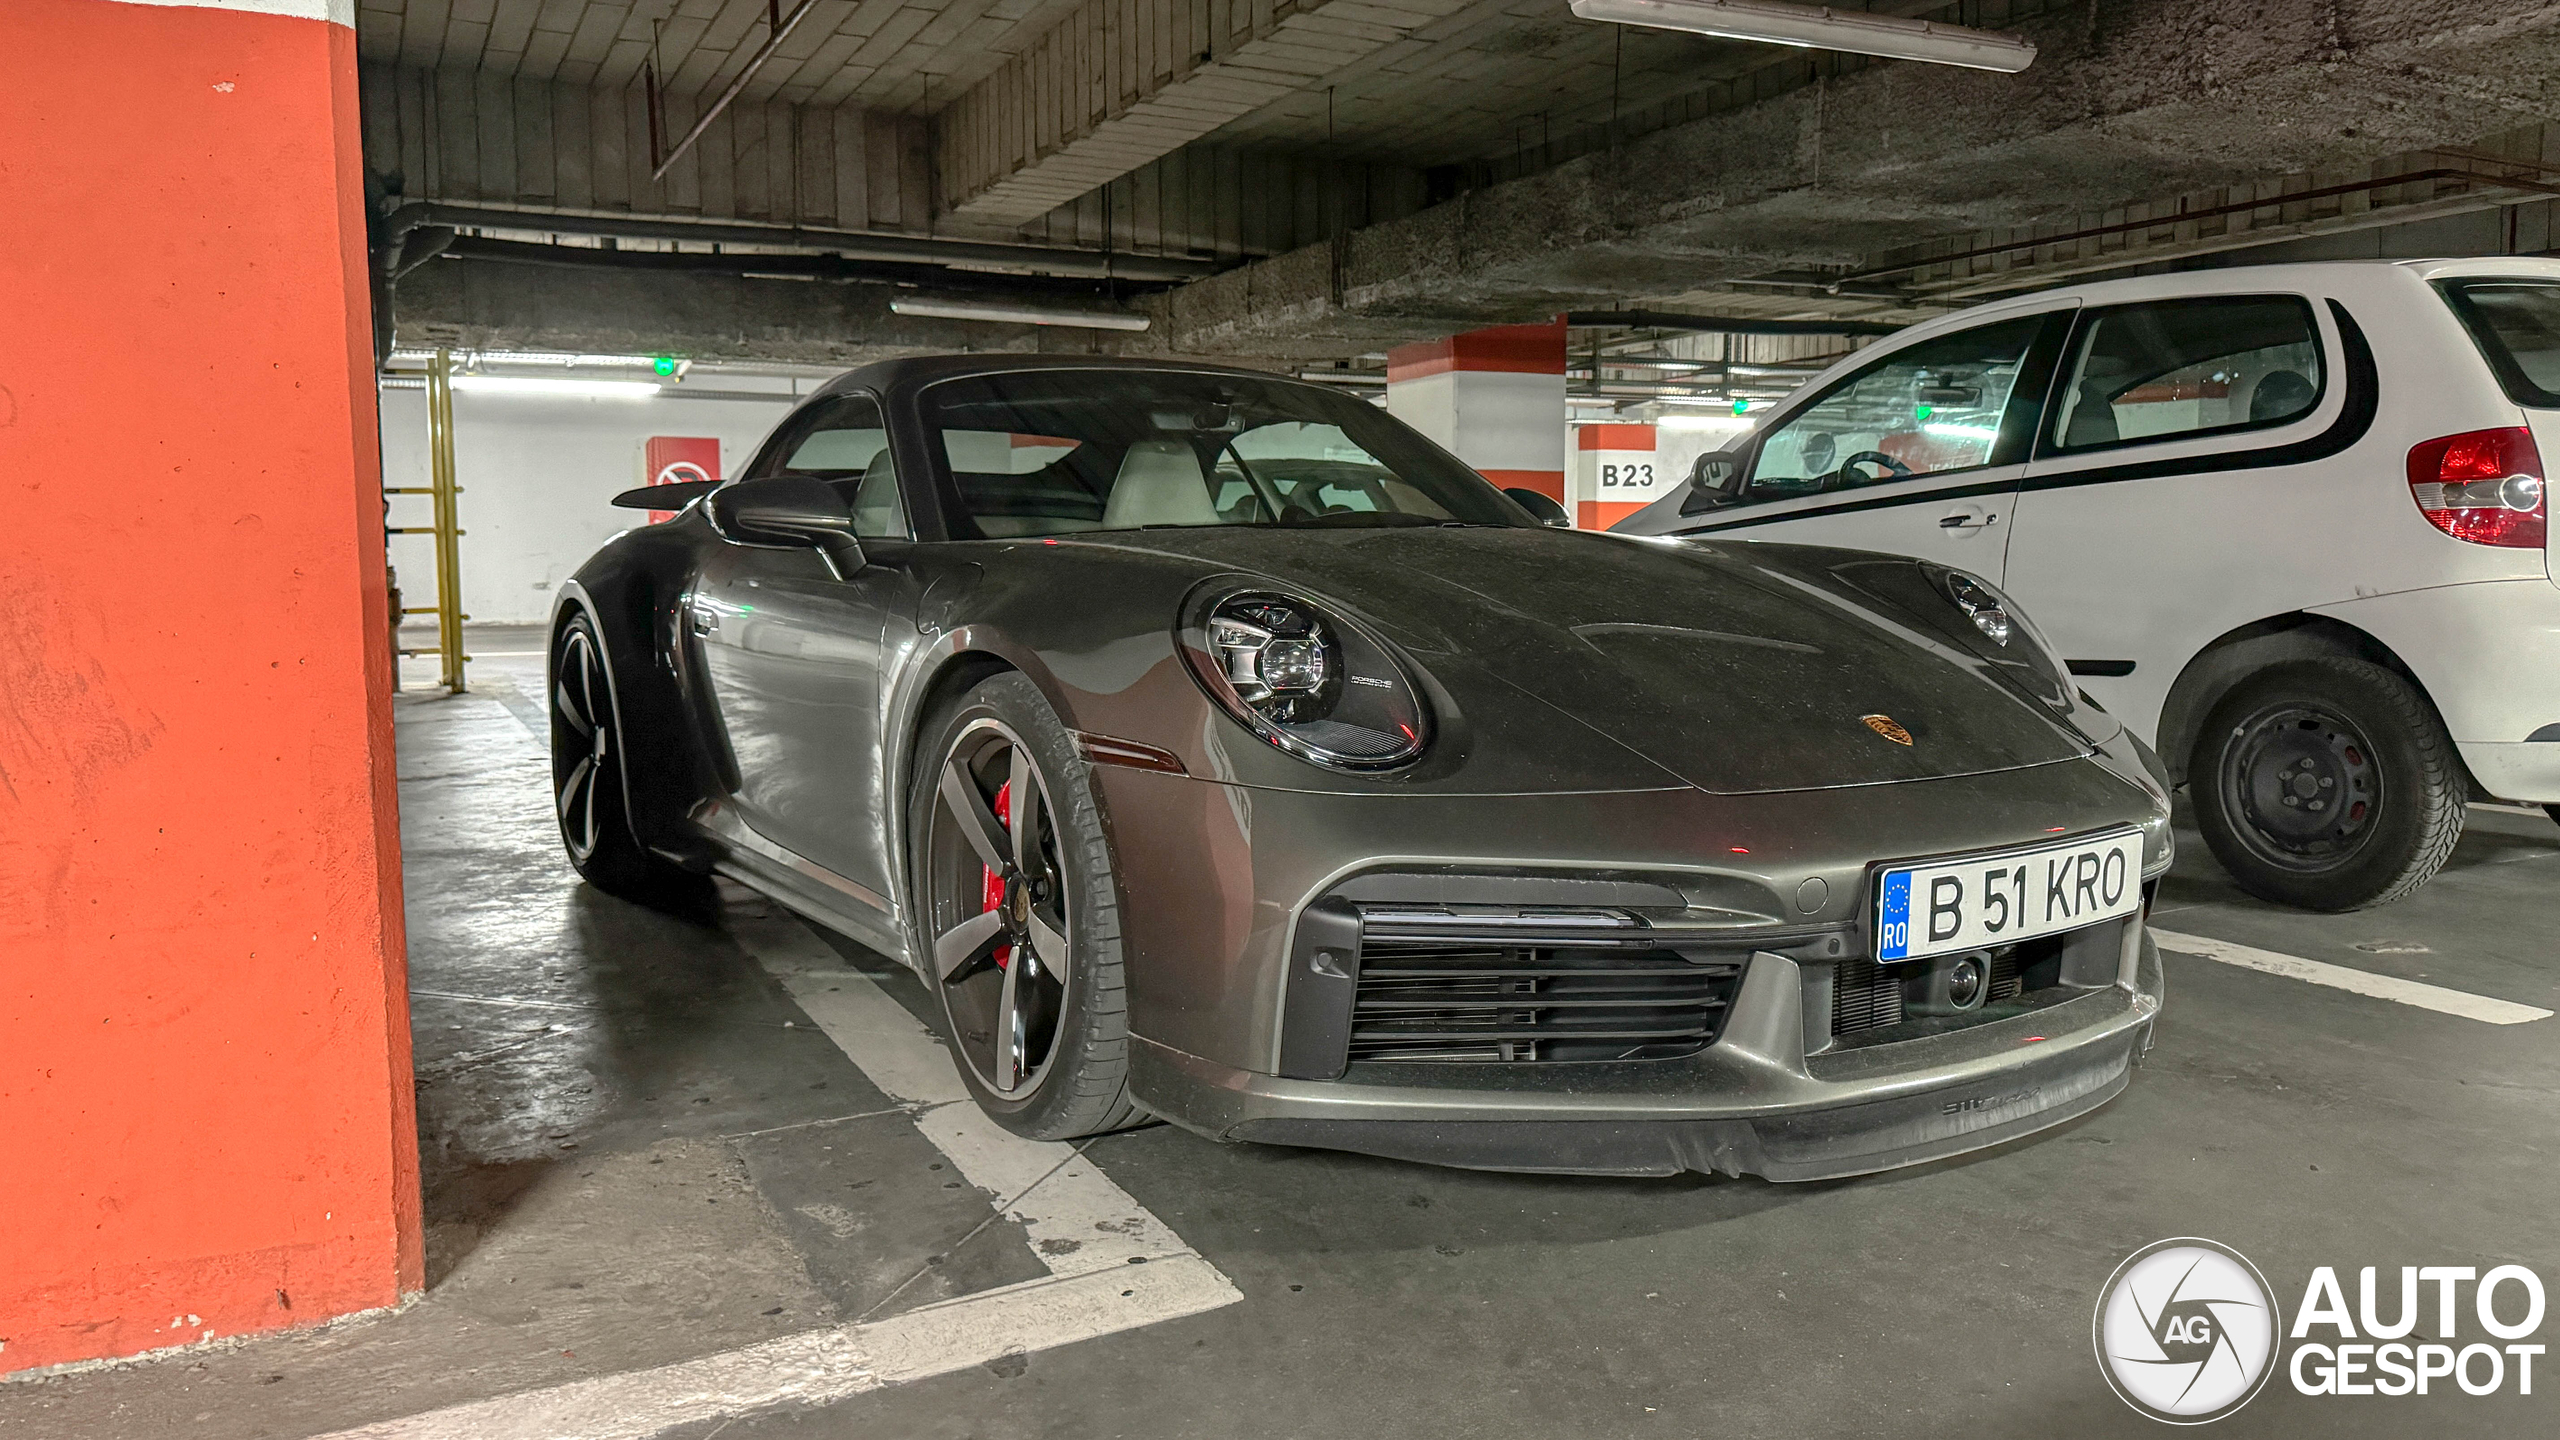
{"type": "Point", "coordinates": [2013, 641]}
{"type": "Point", "coordinates": [1306, 680]}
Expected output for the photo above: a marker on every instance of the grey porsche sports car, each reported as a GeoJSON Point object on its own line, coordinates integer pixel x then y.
{"type": "Point", "coordinates": [1216, 748]}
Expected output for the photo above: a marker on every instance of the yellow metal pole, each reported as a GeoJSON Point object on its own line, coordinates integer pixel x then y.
{"type": "Point", "coordinates": [448, 519]}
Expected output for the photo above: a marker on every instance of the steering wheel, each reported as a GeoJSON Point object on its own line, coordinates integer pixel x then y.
{"type": "Point", "coordinates": [1892, 467]}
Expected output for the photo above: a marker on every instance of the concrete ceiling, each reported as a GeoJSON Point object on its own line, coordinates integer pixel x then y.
{"type": "Point", "coordinates": [1368, 171]}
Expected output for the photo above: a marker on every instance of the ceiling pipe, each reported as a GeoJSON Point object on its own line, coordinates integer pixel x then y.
{"type": "Point", "coordinates": [1722, 325]}
{"type": "Point", "coordinates": [852, 244]}
{"type": "Point", "coordinates": [1819, 27]}
{"type": "Point", "coordinates": [782, 27]}
{"type": "Point", "coordinates": [1015, 313]}
{"type": "Point", "coordinates": [748, 265]}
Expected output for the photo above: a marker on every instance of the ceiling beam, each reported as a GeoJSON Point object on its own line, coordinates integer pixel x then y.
{"type": "Point", "coordinates": [1120, 83]}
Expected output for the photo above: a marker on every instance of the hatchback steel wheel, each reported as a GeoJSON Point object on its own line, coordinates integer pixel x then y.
{"type": "Point", "coordinates": [2305, 781]}
{"type": "Point", "coordinates": [998, 909]}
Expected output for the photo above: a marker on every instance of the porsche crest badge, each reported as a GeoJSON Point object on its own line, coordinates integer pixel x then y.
{"type": "Point", "coordinates": [1886, 726]}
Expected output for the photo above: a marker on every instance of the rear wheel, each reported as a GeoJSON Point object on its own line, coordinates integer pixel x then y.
{"type": "Point", "coordinates": [586, 778]}
{"type": "Point", "coordinates": [1013, 886]}
{"type": "Point", "coordinates": [2327, 784]}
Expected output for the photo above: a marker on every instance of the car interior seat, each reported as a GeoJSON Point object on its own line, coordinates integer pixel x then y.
{"type": "Point", "coordinates": [2093, 411]}
{"type": "Point", "coordinates": [2280, 393]}
{"type": "Point", "coordinates": [1160, 483]}
{"type": "Point", "coordinates": [876, 511]}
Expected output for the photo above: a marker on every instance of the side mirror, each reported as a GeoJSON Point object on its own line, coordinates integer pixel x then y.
{"type": "Point", "coordinates": [789, 512]}
{"type": "Point", "coordinates": [1712, 482]}
{"type": "Point", "coordinates": [1545, 507]}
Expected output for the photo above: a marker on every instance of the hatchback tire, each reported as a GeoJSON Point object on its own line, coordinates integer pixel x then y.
{"type": "Point", "coordinates": [2328, 784]}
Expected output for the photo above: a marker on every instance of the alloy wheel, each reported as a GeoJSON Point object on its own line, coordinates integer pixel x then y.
{"type": "Point", "coordinates": [997, 909]}
{"type": "Point", "coordinates": [581, 741]}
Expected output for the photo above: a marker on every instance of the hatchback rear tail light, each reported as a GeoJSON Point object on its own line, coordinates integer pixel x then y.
{"type": "Point", "coordinates": [2484, 487]}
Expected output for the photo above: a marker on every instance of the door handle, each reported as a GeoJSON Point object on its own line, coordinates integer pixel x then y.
{"type": "Point", "coordinates": [1966, 520]}
{"type": "Point", "coordinates": [705, 620]}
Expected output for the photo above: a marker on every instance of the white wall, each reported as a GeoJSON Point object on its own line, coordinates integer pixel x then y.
{"type": "Point", "coordinates": [536, 471]}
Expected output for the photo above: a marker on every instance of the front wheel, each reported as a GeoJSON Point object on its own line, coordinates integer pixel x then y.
{"type": "Point", "coordinates": [1019, 912]}
{"type": "Point", "coordinates": [2327, 784]}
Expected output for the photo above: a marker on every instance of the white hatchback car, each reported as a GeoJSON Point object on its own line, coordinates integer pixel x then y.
{"type": "Point", "coordinates": [2287, 521]}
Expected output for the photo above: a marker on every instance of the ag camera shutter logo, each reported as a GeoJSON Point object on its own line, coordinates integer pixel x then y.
{"type": "Point", "coordinates": [2186, 1331]}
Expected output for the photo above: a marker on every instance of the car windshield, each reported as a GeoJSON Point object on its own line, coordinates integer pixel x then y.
{"type": "Point", "coordinates": [2517, 326]}
{"type": "Point", "coordinates": [1053, 452]}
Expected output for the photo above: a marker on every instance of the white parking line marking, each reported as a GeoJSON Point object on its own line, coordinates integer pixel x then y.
{"type": "Point", "coordinates": [2342, 977]}
{"type": "Point", "coordinates": [1113, 1265]}
{"type": "Point", "coordinates": [820, 1367]}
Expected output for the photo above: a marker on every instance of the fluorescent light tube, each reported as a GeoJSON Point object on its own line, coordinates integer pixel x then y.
{"type": "Point", "coordinates": [1820, 27]}
{"type": "Point", "coordinates": [1017, 314]}
{"type": "Point", "coordinates": [545, 385]}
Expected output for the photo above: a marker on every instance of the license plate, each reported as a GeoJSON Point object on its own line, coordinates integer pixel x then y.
{"type": "Point", "coordinates": [2007, 896]}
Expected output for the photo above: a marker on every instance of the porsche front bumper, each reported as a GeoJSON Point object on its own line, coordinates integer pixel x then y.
{"type": "Point", "coordinates": [1751, 1104]}
{"type": "Point", "coordinates": [1218, 897]}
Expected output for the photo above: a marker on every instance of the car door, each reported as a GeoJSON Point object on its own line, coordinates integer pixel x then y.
{"type": "Point", "coordinates": [792, 655]}
{"type": "Point", "coordinates": [2173, 489]}
{"type": "Point", "coordinates": [1919, 452]}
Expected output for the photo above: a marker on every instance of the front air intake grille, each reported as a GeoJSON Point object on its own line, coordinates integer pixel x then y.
{"type": "Point", "coordinates": [1869, 996]}
{"type": "Point", "coordinates": [1531, 987]}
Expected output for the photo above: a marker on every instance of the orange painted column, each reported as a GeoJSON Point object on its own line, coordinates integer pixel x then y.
{"type": "Point", "coordinates": [1615, 474]}
{"type": "Point", "coordinates": [1493, 397]}
{"type": "Point", "coordinates": [206, 1122]}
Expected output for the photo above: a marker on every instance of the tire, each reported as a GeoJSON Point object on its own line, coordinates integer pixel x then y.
{"type": "Point", "coordinates": [2327, 784]}
{"type": "Point", "coordinates": [1020, 927]}
{"type": "Point", "coordinates": [2553, 811]}
{"type": "Point", "coordinates": [587, 781]}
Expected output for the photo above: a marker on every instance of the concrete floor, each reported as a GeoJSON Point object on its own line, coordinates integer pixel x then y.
{"type": "Point", "coordinates": [640, 1149]}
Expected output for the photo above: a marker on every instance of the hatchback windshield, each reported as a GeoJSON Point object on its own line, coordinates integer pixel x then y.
{"type": "Point", "coordinates": [1052, 452]}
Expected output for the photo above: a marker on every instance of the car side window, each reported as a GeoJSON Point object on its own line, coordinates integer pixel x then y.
{"type": "Point", "coordinates": [1936, 407]}
{"type": "Point", "coordinates": [842, 442]}
{"type": "Point", "coordinates": [2175, 369]}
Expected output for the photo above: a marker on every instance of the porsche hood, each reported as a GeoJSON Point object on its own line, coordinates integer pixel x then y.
{"type": "Point", "coordinates": [1736, 668]}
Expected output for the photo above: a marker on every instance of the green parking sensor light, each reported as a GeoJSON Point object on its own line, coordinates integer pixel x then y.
{"type": "Point", "coordinates": [664, 364]}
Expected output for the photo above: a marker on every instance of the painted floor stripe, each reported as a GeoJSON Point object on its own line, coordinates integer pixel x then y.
{"type": "Point", "coordinates": [820, 1367]}
{"type": "Point", "coordinates": [1113, 1266]}
{"type": "Point", "coordinates": [2342, 977]}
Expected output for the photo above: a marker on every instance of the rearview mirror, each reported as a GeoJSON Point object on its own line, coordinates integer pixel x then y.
{"type": "Point", "coordinates": [789, 512]}
{"type": "Point", "coordinates": [1545, 507]}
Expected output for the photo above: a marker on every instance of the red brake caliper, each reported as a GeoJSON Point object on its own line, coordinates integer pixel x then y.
{"type": "Point", "coordinates": [992, 889]}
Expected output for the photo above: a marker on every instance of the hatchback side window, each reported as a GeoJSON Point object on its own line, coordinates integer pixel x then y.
{"type": "Point", "coordinates": [842, 442]}
{"type": "Point", "coordinates": [2175, 369]}
{"type": "Point", "coordinates": [1936, 407]}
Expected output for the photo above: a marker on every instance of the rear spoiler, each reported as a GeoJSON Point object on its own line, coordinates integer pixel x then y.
{"type": "Point", "coordinates": [665, 497]}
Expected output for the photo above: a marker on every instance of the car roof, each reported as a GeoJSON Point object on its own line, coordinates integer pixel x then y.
{"type": "Point", "coordinates": [910, 371]}
{"type": "Point", "coordinates": [2330, 275]}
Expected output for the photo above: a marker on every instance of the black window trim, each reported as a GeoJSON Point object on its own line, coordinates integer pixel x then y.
{"type": "Point", "coordinates": [795, 427]}
{"type": "Point", "coordinates": [2046, 449]}
{"type": "Point", "coordinates": [2519, 387]}
{"type": "Point", "coordinates": [2356, 414]}
{"type": "Point", "coordinates": [2020, 419]}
